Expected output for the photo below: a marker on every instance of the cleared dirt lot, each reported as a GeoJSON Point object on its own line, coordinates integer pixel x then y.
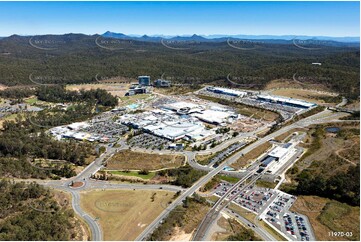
{"type": "Point", "coordinates": [124, 214]}
{"type": "Point", "coordinates": [307, 95]}
{"type": "Point", "coordinates": [116, 89]}
{"type": "Point", "coordinates": [243, 161]}
{"type": "Point", "coordinates": [290, 83]}
{"type": "Point", "coordinates": [327, 215]}
{"type": "Point", "coordinates": [131, 160]}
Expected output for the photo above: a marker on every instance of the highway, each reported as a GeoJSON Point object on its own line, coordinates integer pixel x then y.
{"type": "Point", "coordinates": [84, 176]}
{"type": "Point", "coordinates": [216, 209]}
{"type": "Point", "coordinates": [262, 233]}
{"type": "Point", "coordinates": [322, 117]}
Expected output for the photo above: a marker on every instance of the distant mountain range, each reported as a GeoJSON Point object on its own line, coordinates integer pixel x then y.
{"type": "Point", "coordinates": [80, 58]}
{"type": "Point", "coordinates": [279, 39]}
{"type": "Point", "coordinates": [222, 38]}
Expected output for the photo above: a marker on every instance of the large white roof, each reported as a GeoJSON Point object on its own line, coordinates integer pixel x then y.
{"type": "Point", "coordinates": [212, 116]}
{"type": "Point", "coordinates": [278, 152]}
{"type": "Point", "coordinates": [179, 105]}
{"type": "Point", "coordinates": [78, 125]}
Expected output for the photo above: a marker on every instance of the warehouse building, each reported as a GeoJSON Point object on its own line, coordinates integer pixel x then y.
{"type": "Point", "coordinates": [227, 91]}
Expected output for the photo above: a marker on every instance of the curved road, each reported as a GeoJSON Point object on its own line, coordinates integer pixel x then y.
{"type": "Point", "coordinates": [322, 117]}
{"type": "Point", "coordinates": [84, 176]}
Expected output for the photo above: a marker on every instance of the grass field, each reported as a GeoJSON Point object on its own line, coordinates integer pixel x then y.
{"type": "Point", "coordinates": [289, 83]}
{"type": "Point", "coordinates": [31, 100]}
{"type": "Point", "coordinates": [273, 232]}
{"type": "Point", "coordinates": [131, 160]}
{"type": "Point", "coordinates": [243, 161]}
{"type": "Point", "coordinates": [124, 214]}
{"type": "Point", "coordinates": [181, 222]}
{"type": "Point", "coordinates": [176, 90]}
{"type": "Point", "coordinates": [243, 212]}
{"type": "Point", "coordinates": [307, 95]}
{"type": "Point", "coordinates": [231, 227]}
{"type": "Point", "coordinates": [228, 178]}
{"type": "Point", "coordinates": [328, 215]}
{"type": "Point", "coordinates": [149, 176]}
{"type": "Point", "coordinates": [203, 159]}
{"type": "Point", "coordinates": [266, 184]}
{"type": "Point", "coordinates": [213, 198]}
{"type": "Point", "coordinates": [133, 99]}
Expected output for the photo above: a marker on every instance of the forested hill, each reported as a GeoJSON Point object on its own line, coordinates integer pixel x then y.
{"type": "Point", "coordinates": [80, 58]}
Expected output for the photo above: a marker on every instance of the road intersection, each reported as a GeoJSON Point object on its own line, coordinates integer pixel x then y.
{"type": "Point", "coordinates": [84, 177]}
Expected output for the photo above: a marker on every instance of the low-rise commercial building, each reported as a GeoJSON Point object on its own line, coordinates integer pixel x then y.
{"type": "Point", "coordinates": [286, 101]}
{"type": "Point", "coordinates": [227, 91]}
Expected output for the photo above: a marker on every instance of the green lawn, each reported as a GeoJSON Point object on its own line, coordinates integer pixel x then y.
{"type": "Point", "coordinates": [31, 100]}
{"type": "Point", "coordinates": [213, 198]}
{"type": "Point", "coordinates": [228, 178]}
{"type": "Point", "coordinates": [132, 99]}
{"type": "Point", "coordinates": [266, 184]}
{"type": "Point", "coordinates": [341, 217]}
{"type": "Point", "coordinates": [133, 173]}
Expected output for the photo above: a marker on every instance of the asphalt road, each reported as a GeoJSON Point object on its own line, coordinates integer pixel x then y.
{"type": "Point", "coordinates": [96, 232]}
{"type": "Point", "coordinates": [262, 233]}
{"type": "Point", "coordinates": [324, 116]}
{"type": "Point", "coordinates": [206, 223]}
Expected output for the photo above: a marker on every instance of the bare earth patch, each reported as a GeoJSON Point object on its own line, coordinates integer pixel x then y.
{"type": "Point", "coordinates": [243, 161]}
{"type": "Point", "coordinates": [116, 89]}
{"type": "Point", "coordinates": [281, 83]}
{"type": "Point", "coordinates": [307, 95]}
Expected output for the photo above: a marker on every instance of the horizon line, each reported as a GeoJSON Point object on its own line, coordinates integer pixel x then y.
{"type": "Point", "coordinates": [210, 36]}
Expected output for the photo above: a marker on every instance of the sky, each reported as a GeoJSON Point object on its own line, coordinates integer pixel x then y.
{"type": "Point", "coordinates": [337, 19]}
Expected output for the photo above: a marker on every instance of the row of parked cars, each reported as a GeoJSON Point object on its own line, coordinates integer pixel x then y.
{"type": "Point", "coordinates": [302, 228]}
{"type": "Point", "coordinates": [289, 224]}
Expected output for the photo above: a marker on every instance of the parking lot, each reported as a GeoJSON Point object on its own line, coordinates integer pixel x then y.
{"type": "Point", "coordinates": [100, 128]}
{"type": "Point", "coordinates": [149, 141]}
{"type": "Point", "coordinates": [254, 198]}
{"type": "Point", "coordinates": [294, 226]}
{"type": "Point", "coordinates": [286, 111]}
{"type": "Point", "coordinates": [274, 207]}
{"type": "Point", "coordinates": [7, 108]}
{"type": "Point", "coordinates": [106, 128]}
